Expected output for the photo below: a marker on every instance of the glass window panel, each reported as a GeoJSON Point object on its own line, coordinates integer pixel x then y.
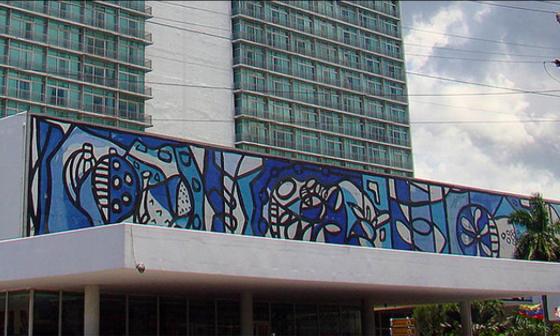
{"type": "Point", "coordinates": [261, 311]}
{"type": "Point", "coordinates": [282, 319]}
{"type": "Point", "coordinates": [228, 319]}
{"type": "Point", "coordinates": [201, 318]}
{"type": "Point", "coordinates": [172, 316]}
{"type": "Point", "coordinates": [18, 313]}
{"type": "Point", "coordinates": [45, 313]}
{"type": "Point", "coordinates": [142, 315]}
{"type": "Point", "coordinates": [329, 320]}
{"type": "Point", "coordinates": [112, 315]}
{"type": "Point", "coordinates": [2, 306]}
{"type": "Point", "coordinates": [72, 314]}
{"type": "Point", "coordinates": [350, 321]}
{"type": "Point", "coordinates": [261, 315]}
{"type": "Point", "coordinates": [306, 320]}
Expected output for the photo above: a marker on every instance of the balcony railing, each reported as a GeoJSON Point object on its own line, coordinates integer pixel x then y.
{"type": "Point", "coordinates": [368, 156]}
{"type": "Point", "coordinates": [329, 57]}
{"type": "Point", "coordinates": [143, 118]}
{"type": "Point", "coordinates": [33, 65]}
{"type": "Point", "coordinates": [54, 9]}
{"type": "Point", "coordinates": [291, 21]}
{"type": "Point", "coordinates": [67, 102]}
{"type": "Point", "coordinates": [379, 6]}
{"type": "Point", "coordinates": [148, 63]}
{"type": "Point", "coordinates": [73, 44]}
{"type": "Point", "coordinates": [351, 85]}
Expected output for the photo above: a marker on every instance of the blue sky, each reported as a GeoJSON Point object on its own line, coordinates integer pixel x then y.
{"type": "Point", "coordinates": [485, 141]}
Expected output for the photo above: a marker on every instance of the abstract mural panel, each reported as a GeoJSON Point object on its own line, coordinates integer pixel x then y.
{"type": "Point", "coordinates": [82, 176]}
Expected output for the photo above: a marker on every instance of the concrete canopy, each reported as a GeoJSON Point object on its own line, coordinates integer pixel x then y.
{"type": "Point", "coordinates": [180, 261]}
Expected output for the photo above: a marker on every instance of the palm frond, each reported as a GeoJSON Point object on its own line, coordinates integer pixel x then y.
{"type": "Point", "coordinates": [541, 241]}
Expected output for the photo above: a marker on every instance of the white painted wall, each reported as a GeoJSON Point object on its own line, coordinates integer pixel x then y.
{"type": "Point", "coordinates": [12, 167]}
{"type": "Point", "coordinates": [187, 57]}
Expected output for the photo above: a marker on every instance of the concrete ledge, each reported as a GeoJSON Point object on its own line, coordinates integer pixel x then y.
{"type": "Point", "coordinates": [177, 259]}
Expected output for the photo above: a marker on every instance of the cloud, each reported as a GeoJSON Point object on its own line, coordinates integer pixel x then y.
{"type": "Point", "coordinates": [456, 159]}
{"type": "Point", "coordinates": [505, 153]}
{"type": "Point", "coordinates": [442, 21]}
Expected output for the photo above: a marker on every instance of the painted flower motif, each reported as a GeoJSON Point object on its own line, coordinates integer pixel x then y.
{"type": "Point", "coordinates": [477, 232]}
{"type": "Point", "coordinates": [368, 223]}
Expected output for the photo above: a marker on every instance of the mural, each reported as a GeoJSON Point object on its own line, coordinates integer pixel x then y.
{"type": "Point", "coordinates": [82, 175]}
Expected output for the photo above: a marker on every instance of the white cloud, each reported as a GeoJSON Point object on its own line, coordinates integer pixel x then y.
{"type": "Point", "coordinates": [482, 155]}
{"type": "Point", "coordinates": [448, 19]}
{"type": "Point", "coordinates": [454, 158]}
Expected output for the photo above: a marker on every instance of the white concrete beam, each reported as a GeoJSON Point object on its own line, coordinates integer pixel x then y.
{"type": "Point", "coordinates": [177, 259]}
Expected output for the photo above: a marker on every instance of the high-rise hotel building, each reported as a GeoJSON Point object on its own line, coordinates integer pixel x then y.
{"type": "Point", "coordinates": [77, 59]}
{"type": "Point", "coordinates": [322, 81]}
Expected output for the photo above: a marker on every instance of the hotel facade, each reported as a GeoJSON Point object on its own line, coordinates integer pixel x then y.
{"type": "Point", "coordinates": [83, 60]}
{"type": "Point", "coordinates": [321, 81]}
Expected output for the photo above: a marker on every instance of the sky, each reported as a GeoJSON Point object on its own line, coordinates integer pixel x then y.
{"type": "Point", "coordinates": [485, 141]}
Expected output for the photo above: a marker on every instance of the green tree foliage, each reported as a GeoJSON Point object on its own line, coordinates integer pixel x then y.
{"type": "Point", "coordinates": [430, 320]}
{"type": "Point", "coordinates": [522, 326]}
{"type": "Point", "coordinates": [445, 320]}
{"type": "Point", "coordinates": [541, 241]}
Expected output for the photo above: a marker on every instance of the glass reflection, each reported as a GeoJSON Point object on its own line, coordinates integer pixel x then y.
{"type": "Point", "coordinates": [142, 315]}
{"type": "Point", "coordinates": [282, 319]}
{"type": "Point", "coordinates": [2, 312]}
{"type": "Point", "coordinates": [45, 313]}
{"type": "Point", "coordinates": [306, 320]}
{"type": "Point", "coordinates": [329, 320]}
{"type": "Point", "coordinates": [172, 316]}
{"type": "Point", "coordinates": [351, 322]}
{"type": "Point", "coordinates": [261, 317]}
{"type": "Point", "coordinates": [18, 313]}
{"type": "Point", "coordinates": [112, 315]}
{"type": "Point", "coordinates": [72, 314]}
{"type": "Point", "coordinates": [202, 318]}
{"type": "Point", "coordinates": [228, 320]}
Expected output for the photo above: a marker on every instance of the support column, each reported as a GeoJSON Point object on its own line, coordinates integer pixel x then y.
{"type": "Point", "coordinates": [246, 314]}
{"type": "Point", "coordinates": [30, 317]}
{"type": "Point", "coordinates": [466, 318]}
{"type": "Point", "coordinates": [91, 311]}
{"type": "Point", "coordinates": [368, 318]}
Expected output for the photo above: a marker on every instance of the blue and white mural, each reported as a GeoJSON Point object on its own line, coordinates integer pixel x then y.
{"type": "Point", "coordinates": [82, 175]}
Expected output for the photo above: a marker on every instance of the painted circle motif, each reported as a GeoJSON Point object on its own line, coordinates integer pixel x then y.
{"type": "Point", "coordinates": [477, 233]}
{"type": "Point", "coordinates": [115, 186]}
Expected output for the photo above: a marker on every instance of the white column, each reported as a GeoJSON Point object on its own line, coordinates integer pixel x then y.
{"type": "Point", "coordinates": [246, 314]}
{"type": "Point", "coordinates": [466, 318]}
{"type": "Point", "coordinates": [30, 317]}
{"type": "Point", "coordinates": [368, 318]}
{"type": "Point", "coordinates": [91, 311]}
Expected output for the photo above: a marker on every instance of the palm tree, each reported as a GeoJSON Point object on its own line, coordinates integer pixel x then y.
{"type": "Point", "coordinates": [540, 241]}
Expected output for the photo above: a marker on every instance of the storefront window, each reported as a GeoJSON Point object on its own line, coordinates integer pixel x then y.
{"type": "Point", "coordinates": [282, 319]}
{"type": "Point", "coordinates": [351, 322]}
{"type": "Point", "coordinates": [18, 313]}
{"type": "Point", "coordinates": [2, 312]}
{"type": "Point", "coordinates": [261, 317]}
{"type": "Point", "coordinates": [329, 320]}
{"type": "Point", "coordinates": [228, 318]}
{"type": "Point", "coordinates": [306, 320]}
{"type": "Point", "coordinates": [172, 316]}
{"type": "Point", "coordinates": [45, 313]}
{"type": "Point", "coordinates": [142, 315]}
{"type": "Point", "coordinates": [112, 315]}
{"type": "Point", "coordinates": [72, 314]}
{"type": "Point", "coordinates": [201, 318]}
